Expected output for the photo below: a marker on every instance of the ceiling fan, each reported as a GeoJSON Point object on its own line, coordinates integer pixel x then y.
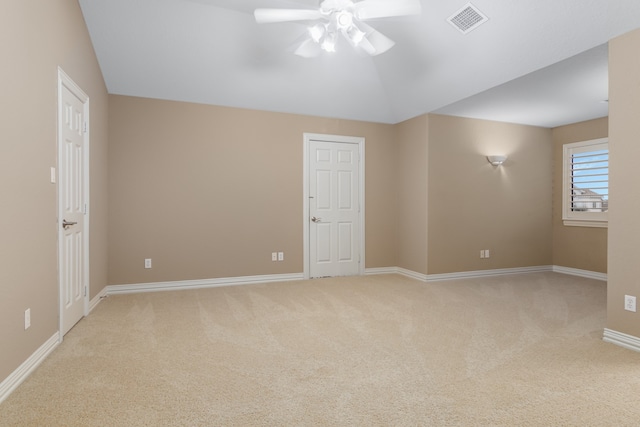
{"type": "Point", "coordinates": [335, 17]}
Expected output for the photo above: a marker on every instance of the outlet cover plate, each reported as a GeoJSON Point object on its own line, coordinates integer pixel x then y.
{"type": "Point", "coordinates": [27, 319]}
{"type": "Point", "coordinates": [630, 303]}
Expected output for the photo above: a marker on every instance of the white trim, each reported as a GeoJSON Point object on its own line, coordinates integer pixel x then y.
{"type": "Point", "coordinates": [457, 275]}
{"type": "Point", "coordinates": [380, 270]}
{"type": "Point", "coordinates": [27, 367]}
{"type": "Point", "coordinates": [486, 273]}
{"type": "Point", "coordinates": [250, 280]}
{"type": "Point", "coordinates": [413, 274]}
{"type": "Point", "coordinates": [247, 280]}
{"type": "Point", "coordinates": [483, 273]}
{"type": "Point", "coordinates": [200, 284]}
{"type": "Point", "coordinates": [96, 300]}
{"type": "Point", "coordinates": [622, 340]}
{"type": "Point", "coordinates": [584, 223]}
{"type": "Point", "coordinates": [396, 270]}
{"type": "Point", "coordinates": [307, 138]}
{"type": "Point", "coordinates": [65, 81]}
{"type": "Point", "coordinates": [582, 273]}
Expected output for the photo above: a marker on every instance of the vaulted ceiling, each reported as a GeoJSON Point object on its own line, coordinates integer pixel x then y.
{"type": "Point", "coordinates": [537, 62]}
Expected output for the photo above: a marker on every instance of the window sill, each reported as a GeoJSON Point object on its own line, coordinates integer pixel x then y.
{"type": "Point", "coordinates": [585, 223]}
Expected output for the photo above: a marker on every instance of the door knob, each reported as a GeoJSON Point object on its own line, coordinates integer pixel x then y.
{"type": "Point", "coordinates": [314, 219]}
{"type": "Point", "coordinates": [66, 223]}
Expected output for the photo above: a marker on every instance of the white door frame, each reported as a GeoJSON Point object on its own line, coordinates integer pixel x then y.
{"type": "Point", "coordinates": [65, 81]}
{"type": "Point", "coordinates": [308, 137]}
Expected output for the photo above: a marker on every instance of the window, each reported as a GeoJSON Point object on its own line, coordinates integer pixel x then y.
{"type": "Point", "coordinates": [585, 193]}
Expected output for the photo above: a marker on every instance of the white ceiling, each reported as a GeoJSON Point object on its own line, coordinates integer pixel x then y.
{"type": "Point", "coordinates": [537, 62]}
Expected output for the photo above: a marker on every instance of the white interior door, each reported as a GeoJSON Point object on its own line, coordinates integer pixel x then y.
{"type": "Point", "coordinates": [334, 208]}
{"type": "Point", "coordinates": [72, 207]}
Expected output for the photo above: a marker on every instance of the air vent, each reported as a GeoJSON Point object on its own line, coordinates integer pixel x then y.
{"type": "Point", "coordinates": [467, 19]}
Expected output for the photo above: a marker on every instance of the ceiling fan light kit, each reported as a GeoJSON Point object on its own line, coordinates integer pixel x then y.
{"type": "Point", "coordinates": [342, 17]}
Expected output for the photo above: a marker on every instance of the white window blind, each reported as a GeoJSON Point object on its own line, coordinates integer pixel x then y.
{"type": "Point", "coordinates": [586, 183]}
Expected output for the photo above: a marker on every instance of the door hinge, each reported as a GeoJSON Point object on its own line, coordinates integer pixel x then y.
{"type": "Point", "coordinates": [85, 291]}
{"type": "Point", "coordinates": [84, 127]}
{"type": "Point", "coordinates": [85, 209]}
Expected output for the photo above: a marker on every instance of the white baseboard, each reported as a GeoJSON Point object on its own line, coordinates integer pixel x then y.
{"type": "Point", "coordinates": [380, 270]}
{"type": "Point", "coordinates": [396, 270]}
{"type": "Point", "coordinates": [487, 273]}
{"type": "Point", "coordinates": [28, 366]}
{"type": "Point", "coordinates": [412, 274]}
{"type": "Point", "coordinates": [200, 284]}
{"type": "Point", "coordinates": [623, 340]}
{"type": "Point", "coordinates": [248, 280]}
{"type": "Point", "coordinates": [458, 275]}
{"type": "Point", "coordinates": [582, 273]}
{"type": "Point", "coordinates": [96, 300]}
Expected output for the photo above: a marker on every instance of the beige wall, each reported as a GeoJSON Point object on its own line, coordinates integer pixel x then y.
{"type": "Point", "coordinates": [35, 38]}
{"type": "Point", "coordinates": [210, 192]}
{"type": "Point", "coordinates": [624, 177]}
{"type": "Point", "coordinates": [584, 248]}
{"type": "Point", "coordinates": [474, 205]}
{"type": "Point", "coordinates": [411, 146]}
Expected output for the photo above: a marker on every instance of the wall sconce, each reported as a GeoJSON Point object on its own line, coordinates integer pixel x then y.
{"type": "Point", "coordinates": [496, 160]}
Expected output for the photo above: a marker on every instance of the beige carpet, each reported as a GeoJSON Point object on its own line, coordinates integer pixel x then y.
{"type": "Point", "coordinates": [519, 350]}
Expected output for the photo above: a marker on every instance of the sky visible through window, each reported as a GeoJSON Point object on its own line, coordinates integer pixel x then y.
{"type": "Point", "coordinates": [591, 172]}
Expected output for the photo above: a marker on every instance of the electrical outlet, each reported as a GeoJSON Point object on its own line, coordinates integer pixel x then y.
{"type": "Point", "coordinates": [481, 253]}
{"type": "Point", "coordinates": [274, 256]}
{"type": "Point", "coordinates": [630, 303]}
{"type": "Point", "coordinates": [147, 263]}
{"type": "Point", "coordinates": [486, 253]}
{"type": "Point", "coordinates": [27, 318]}
{"type": "Point", "coordinates": [280, 256]}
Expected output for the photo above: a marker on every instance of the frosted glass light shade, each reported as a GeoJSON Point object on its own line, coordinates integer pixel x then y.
{"type": "Point", "coordinates": [496, 160]}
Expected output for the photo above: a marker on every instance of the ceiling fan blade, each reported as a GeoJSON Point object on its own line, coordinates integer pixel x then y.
{"type": "Point", "coordinates": [371, 9]}
{"type": "Point", "coordinates": [267, 16]}
{"type": "Point", "coordinates": [308, 49]}
{"type": "Point", "coordinates": [375, 43]}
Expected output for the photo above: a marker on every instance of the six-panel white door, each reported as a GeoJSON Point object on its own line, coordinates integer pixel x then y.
{"type": "Point", "coordinates": [334, 211]}
{"type": "Point", "coordinates": [71, 216]}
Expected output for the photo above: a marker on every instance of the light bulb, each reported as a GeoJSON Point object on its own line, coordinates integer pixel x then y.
{"type": "Point", "coordinates": [316, 32]}
{"type": "Point", "coordinates": [328, 45]}
{"type": "Point", "coordinates": [355, 35]}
